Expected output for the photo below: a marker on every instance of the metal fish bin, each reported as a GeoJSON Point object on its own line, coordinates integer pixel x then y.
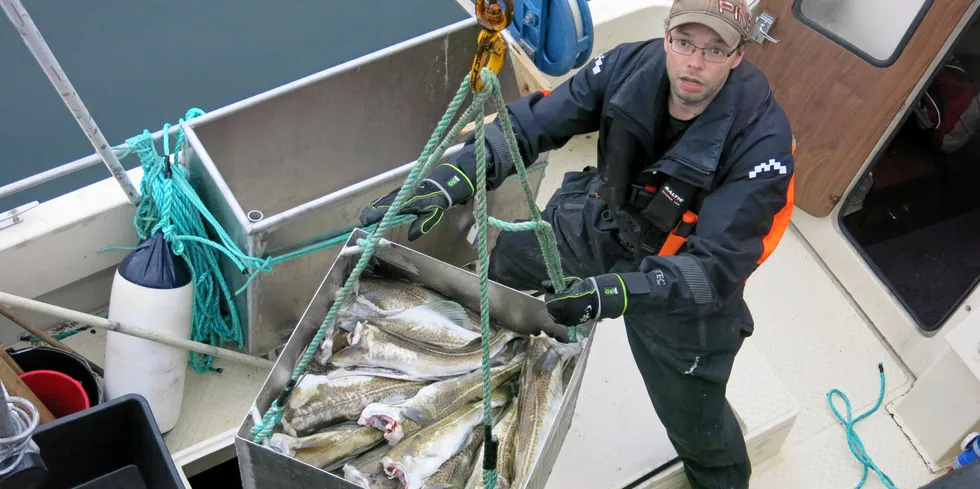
{"type": "Point", "coordinates": [295, 165]}
{"type": "Point", "coordinates": [264, 468]}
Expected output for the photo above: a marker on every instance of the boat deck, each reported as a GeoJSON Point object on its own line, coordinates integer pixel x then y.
{"type": "Point", "coordinates": [808, 339]}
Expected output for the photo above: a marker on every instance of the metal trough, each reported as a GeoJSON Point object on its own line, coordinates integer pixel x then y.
{"type": "Point", "coordinates": [308, 156]}
{"type": "Point", "coordinates": [264, 468]}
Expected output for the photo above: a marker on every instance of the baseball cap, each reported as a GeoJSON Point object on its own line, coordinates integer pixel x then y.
{"type": "Point", "coordinates": [731, 19]}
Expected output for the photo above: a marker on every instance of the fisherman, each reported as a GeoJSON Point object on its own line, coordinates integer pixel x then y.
{"type": "Point", "coordinates": [692, 191]}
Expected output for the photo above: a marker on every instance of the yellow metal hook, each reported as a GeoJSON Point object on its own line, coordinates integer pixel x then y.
{"type": "Point", "coordinates": [491, 47]}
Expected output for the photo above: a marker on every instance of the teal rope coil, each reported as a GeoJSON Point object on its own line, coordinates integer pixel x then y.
{"type": "Point", "coordinates": [170, 205]}
{"type": "Point", "coordinates": [853, 440]}
{"type": "Point", "coordinates": [430, 154]}
{"type": "Point", "coordinates": [166, 206]}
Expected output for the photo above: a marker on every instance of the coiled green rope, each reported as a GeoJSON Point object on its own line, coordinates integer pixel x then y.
{"type": "Point", "coordinates": [853, 440]}
{"type": "Point", "coordinates": [171, 206]}
{"type": "Point", "coordinates": [432, 152]}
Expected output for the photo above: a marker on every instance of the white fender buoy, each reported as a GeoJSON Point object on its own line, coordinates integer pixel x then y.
{"type": "Point", "coordinates": [152, 288]}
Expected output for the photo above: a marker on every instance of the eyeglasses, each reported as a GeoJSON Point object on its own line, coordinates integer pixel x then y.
{"type": "Point", "coordinates": [714, 55]}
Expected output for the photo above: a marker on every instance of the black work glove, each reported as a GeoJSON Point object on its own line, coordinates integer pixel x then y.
{"type": "Point", "coordinates": [599, 297]}
{"type": "Point", "coordinates": [446, 186]}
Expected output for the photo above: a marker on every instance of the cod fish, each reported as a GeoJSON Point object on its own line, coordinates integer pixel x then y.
{"type": "Point", "coordinates": [367, 471]}
{"type": "Point", "coordinates": [374, 296]}
{"type": "Point", "coordinates": [371, 347]}
{"type": "Point", "coordinates": [417, 457]}
{"type": "Point", "coordinates": [318, 400]}
{"type": "Point", "coordinates": [453, 473]}
{"type": "Point", "coordinates": [511, 351]}
{"type": "Point", "coordinates": [330, 448]}
{"type": "Point", "coordinates": [334, 340]}
{"type": "Point", "coordinates": [443, 324]}
{"type": "Point", "coordinates": [541, 391]}
{"type": "Point", "coordinates": [505, 430]}
{"type": "Point", "coordinates": [434, 401]}
{"type": "Point", "coordinates": [338, 372]}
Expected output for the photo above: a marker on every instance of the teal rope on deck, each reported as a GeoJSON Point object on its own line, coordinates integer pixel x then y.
{"type": "Point", "coordinates": [853, 440]}
{"type": "Point", "coordinates": [431, 153]}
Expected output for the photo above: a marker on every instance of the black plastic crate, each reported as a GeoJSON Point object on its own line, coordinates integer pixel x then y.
{"type": "Point", "coordinates": [116, 444]}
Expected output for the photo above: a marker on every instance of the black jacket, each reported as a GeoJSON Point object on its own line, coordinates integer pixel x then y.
{"type": "Point", "coordinates": [738, 154]}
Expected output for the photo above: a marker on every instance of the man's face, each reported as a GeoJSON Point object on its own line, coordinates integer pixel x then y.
{"type": "Point", "coordinates": [694, 79]}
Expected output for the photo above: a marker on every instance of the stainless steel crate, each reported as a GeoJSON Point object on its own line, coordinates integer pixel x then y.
{"type": "Point", "coordinates": [264, 468]}
{"type": "Point", "coordinates": [311, 154]}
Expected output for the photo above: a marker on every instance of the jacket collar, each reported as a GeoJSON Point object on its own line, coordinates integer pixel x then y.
{"type": "Point", "coordinates": [643, 99]}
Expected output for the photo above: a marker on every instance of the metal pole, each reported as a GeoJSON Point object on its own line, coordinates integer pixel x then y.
{"type": "Point", "coordinates": [32, 37]}
{"type": "Point", "coordinates": [103, 323]}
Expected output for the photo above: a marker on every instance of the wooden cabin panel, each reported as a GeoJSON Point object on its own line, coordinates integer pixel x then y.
{"type": "Point", "coordinates": [839, 104]}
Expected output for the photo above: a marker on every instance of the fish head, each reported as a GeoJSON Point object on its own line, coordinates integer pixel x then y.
{"type": "Point", "coordinates": [360, 341]}
{"type": "Point", "coordinates": [404, 469]}
{"type": "Point", "coordinates": [383, 417]}
{"type": "Point", "coordinates": [350, 356]}
{"type": "Point", "coordinates": [283, 444]}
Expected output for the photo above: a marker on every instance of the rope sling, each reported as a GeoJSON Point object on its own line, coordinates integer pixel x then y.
{"type": "Point", "coordinates": [432, 152]}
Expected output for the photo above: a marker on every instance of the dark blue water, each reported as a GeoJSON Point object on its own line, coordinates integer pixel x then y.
{"type": "Point", "coordinates": [139, 64]}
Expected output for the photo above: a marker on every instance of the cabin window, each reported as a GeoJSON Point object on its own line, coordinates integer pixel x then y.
{"type": "Point", "coordinates": [876, 30]}
{"type": "Point", "coordinates": [914, 214]}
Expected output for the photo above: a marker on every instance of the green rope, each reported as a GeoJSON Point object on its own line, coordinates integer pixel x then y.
{"type": "Point", "coordinates": [853, 440]}
{"type": "Point", "coordinates": [170, 205]}
{"type": "Point", "coordinates": [430, 154]}
{"type": "Point", "coordinates": [542, 229]}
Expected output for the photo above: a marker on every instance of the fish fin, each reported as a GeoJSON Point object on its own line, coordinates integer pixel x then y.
{"type": "Point", "coordinates": [547, 362]}
{"type": "Point", "coordinates": [415, 446]}
{"type": "Point", "coordinates": [417, 416]}
{"type": "Point", "coordinates": [448, 309]}
{"type": "Point", "coordinates": [351, 296]}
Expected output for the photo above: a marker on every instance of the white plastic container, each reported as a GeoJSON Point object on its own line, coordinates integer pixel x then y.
{"type": "Point", "coordinates": [134, 365]}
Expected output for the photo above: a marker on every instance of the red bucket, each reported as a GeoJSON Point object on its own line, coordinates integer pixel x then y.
{"type": "Point", "coordinates": [61, 394]}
